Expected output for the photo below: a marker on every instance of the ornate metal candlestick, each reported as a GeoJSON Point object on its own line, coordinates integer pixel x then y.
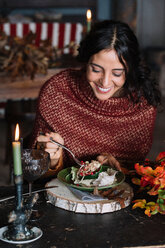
{"type": "Point", "coordinates": [18, 231]}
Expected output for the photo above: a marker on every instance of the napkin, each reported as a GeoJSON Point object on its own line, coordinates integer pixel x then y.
{"type": "Point", "coordinates": [86, 196]}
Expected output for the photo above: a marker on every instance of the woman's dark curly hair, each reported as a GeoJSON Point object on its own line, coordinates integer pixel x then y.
{"type": "Point", "coordinates": [116, 35]}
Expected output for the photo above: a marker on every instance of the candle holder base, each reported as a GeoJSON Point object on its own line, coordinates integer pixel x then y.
{"type": "Point", "coordinates": [18, 231]}
{"type": "Point", "coordinates": [31, 234]}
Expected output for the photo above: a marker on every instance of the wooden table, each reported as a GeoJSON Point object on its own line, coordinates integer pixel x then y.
{"type": "Point", "coordinates": [64, 229]}
{"type": "Point", "coordinates": [23, 88]}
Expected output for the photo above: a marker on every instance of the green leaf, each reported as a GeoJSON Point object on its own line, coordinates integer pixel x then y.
{"type": "Point", "coordinates": [160, 201]}
{"type": "Point", "coordinates": [74, 173]}
{"type": "Point", "coordinates": [151, 204]}
{"type": "Point", "coordinates": [68, 177]}
{"type": "Point", "coordinates": [161, 193]}
{"type": "Point", "coordinates": [154, 212]}
{"type": "Point", "coordinates": [162, 206]}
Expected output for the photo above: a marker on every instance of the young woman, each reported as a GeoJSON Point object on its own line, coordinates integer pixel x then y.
{"type": "Point", "coordinates": [107, 107]}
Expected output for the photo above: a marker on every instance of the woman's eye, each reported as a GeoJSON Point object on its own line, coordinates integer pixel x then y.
{"type": "Point", "coordinates": [117, 75]}
{"type": "Point", "coordinates": [95, 70]}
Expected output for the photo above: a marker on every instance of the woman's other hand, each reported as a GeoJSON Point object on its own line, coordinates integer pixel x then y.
{"type": "Point", "coordinates": [43, 142]}
{"type": "Point", "coordinates": [108, 159]}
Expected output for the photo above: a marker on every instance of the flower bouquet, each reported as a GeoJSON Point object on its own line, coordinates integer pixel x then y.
{"type": "Point", "coordinates": [152, 180]}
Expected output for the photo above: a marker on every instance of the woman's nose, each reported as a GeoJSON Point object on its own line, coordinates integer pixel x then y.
{"type": "Point", "coordinates": [105, 80]}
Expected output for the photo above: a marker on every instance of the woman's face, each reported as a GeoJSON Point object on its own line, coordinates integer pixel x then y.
{"type": "Point", "coordinates": [105, 74]}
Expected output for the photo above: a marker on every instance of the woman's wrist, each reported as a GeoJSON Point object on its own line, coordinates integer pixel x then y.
{"type": "Point", "coordinates": [53, 163]}
{"type": "Point", "coordinates": [56, 164]}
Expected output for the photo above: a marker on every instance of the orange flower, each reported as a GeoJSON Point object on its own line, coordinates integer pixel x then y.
{"type": "Point", "coordinates": [155, 179]}
{"type": "Point", "coordinates": [161, 156]}
{"type": "Point", "coordinates": [135, 181]}
{"type": "Point", "coordinates": [139, 203]}
{"type": "Point", "coordinates": [148, 212]}
{"type": "Point", "coordinates": [141, 170]}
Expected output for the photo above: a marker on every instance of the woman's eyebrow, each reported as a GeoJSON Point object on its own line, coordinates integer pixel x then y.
{"type": "Point", "coordinates": [97, 65]}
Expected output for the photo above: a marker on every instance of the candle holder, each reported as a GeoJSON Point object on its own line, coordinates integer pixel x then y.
{"type": "Point", "coordinates": [18, 231]}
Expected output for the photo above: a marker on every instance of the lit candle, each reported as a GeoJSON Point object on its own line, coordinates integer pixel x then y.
{"type": "Point", "coordinates": [17, 153]}
{"type": "Point", "coordinates": [89, 18]}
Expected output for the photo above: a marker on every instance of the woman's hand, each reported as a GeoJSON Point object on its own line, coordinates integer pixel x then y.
{"type": "Point", "coordinates": [43, 142]}
{"type": "Point", "coordinates": [108, 159]}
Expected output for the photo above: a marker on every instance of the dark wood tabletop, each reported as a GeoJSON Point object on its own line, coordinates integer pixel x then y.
{"type": "Point", "coordinates": [64, 229]}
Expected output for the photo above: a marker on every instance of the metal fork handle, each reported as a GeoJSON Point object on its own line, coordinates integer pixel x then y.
{"type": "Point", "coordinates": [55, 142]}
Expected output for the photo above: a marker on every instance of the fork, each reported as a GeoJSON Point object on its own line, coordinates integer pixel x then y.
{"type": "Point", "coordinates": [64, 147]}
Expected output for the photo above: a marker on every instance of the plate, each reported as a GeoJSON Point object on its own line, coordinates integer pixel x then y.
{"type": "Point", "coordinates": [65, 177]}
{"type": "Point", "coordinates": [37, 234]}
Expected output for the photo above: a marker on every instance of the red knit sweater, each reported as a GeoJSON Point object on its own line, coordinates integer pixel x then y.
{"type": "Point", "coordinates": [90, 126]}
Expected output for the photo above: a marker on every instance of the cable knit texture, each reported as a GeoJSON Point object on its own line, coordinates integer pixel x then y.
{"type": "Point", "coordinates": [89, 126]}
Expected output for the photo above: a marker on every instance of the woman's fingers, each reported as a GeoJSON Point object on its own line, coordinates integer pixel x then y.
{"type": "Point", "coordinates": [54, 153]}
{"type": "Point", "coordinates": [103, 158]}
{"type": "Point", "coordinates": [106, 158]}
{"type": "Point", "coordinates": [56, 136]}
{"type": "Point", "coordinates": [43, 142]}
{"type": "Point", "coordinates": [113, 162]}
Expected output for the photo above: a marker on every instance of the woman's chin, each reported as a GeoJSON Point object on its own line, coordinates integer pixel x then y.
{"type": "Point", "coordinates": [103, 97]}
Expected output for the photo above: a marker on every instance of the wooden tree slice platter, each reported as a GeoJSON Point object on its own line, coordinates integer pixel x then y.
{"type": "Point", "coordinates": [63, 198]}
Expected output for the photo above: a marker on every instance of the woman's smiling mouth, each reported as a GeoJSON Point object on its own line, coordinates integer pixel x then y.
{"type": "Point", "coordinates": [103, 90]}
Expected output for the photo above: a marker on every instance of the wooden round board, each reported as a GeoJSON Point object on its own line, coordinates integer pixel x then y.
{"type": "Point", "coordinates": [63, 198]}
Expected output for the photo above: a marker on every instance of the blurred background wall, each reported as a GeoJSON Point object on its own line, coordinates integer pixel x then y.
{"type": "Point", "coordinates": [146, 17]}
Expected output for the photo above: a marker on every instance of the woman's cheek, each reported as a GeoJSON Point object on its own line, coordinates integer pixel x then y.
{"type": "Point", "coordinates": [92, 78]}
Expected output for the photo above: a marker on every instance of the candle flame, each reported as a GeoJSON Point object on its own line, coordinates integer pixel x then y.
{"type": "Point", "coordinates": [17, 132]}
{"type": "Point", "coordinates": [89, 14]}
